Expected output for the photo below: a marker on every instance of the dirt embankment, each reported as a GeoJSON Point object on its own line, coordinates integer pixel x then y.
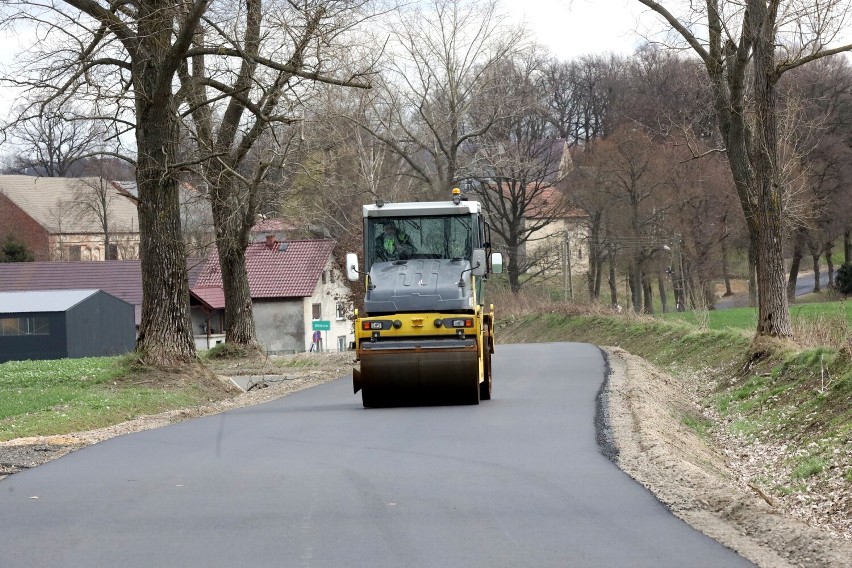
{"type": "Point", "coordinates": [648, 411]}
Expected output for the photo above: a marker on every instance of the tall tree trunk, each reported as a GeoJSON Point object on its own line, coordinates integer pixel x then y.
{"type": "Point", "coordinates": [636, 287]}
{"type": "Point", "coordinates": [594, 266]}
{"type": "Point", "coordinates": [613, 284]}
{"type": "Point", "coordinates": [752, 277]}
{"type": "Point", "coordinates": [773, 310]}
{"type": "Point", "coordinates": [598, 279]}
{"type": "Point", "coordinates": [661, 286]}
{"type": "Point", "coordinates": [647, 293]}
{"type": "Point", "coordinates": [726, 273]}
{"type": "Point", "coordinates": [709, 299]}
{"type": "Point", "coordinates": [847, 246]}
{"type": "Point", "coordinates": [233, 211]}
{"type": "Point", "coordinates": [231, 208]}
{"type": "Point", "coordinates": [817, 278]}
{"type": "Point", "coordinates": [513, 269]}
{"type": "Point", "coordinates": [795, 265]}
{"type": "Point", "coordinates": [165, 333]}
{"type": "Point", "coordinates": [829, 262]}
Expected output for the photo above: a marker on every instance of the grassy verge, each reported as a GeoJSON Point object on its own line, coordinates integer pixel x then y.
{"type": "Point", "coordinates": [72, 395]}
{"type": "Point", "coordinates": [41, 398]}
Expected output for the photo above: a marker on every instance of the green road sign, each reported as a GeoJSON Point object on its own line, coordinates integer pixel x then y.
{"type": "Point", "coordinates": [321, 325]}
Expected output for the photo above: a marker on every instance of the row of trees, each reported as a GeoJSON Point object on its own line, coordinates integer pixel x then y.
{"type": "Point", "coordinates": [293, 107]}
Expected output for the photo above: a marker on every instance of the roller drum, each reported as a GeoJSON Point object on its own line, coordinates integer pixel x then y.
{"type": "Point", "coordinates": [411, 377]}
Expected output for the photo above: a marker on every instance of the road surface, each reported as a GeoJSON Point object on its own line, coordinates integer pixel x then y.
{"type": "Point", "coordinates": [804, 285]}
{"type": "Point", "coordinates": [313, 479]}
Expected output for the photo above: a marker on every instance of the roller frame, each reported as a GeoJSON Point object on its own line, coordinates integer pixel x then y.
{"type": "Point", "coordinates": [416, 366]}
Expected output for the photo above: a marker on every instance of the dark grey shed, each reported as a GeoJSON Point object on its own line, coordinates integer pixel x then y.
{"type": "Point", "coordinates": [58, 324]}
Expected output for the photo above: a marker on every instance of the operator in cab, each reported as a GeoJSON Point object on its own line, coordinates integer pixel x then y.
{"type": "Point", "coordinates": [393, 244]}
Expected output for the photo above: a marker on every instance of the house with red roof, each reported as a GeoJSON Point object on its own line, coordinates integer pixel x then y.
{"type": "Point", "coordinates": [295, 287]}
{"type": "Point", "coordinates": [300, 298]}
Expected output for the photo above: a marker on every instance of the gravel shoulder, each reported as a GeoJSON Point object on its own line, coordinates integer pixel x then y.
{"type": "Point", "coordinates": [645, 410]}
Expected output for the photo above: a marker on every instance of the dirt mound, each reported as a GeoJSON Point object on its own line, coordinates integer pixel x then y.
{"type": "Point", "coordinates": [193, 375]}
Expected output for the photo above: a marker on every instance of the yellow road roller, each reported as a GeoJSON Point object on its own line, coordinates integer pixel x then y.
{"type": "Point", "coordinates": [425, 336]}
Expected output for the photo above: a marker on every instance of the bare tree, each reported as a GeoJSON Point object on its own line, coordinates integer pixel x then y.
{"type": "Point", "coordinates": [126, 59]}
{"type": "Point", "coordinates": [745, 37]}
{"type": "Point", "coordinates": [584, 183]}
{"type": "Point", "coordinates": [582, 96]}
{"type": "Point", "coordinates": [519, 168]}
{"type": "Point", "coordinates": [637, 180]}
{"type": "Point", "coordinates": [824, 91]}
{"type": "Point", "coordinates": [233, 163]}
{"type": "Point", "coordinates": [440, 57]}
{"type": "Point", "coordinates": [49, 140]}
{"type": "Point", "coordinates": [93, 200]}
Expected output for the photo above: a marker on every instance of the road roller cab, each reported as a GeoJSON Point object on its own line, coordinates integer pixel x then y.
{"type": "Point", "coordinates": [425, 336]}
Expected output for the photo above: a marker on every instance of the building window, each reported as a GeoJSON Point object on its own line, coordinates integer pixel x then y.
{"type": "Point", "coordinates": [25, 326]}
{"type": "Point", "coordinates": [317, 311]}
{"type": "Point", "coordinates": [340, 311]}
{"type": "Point", "coordinates": [75, 252]}
{"type": "Point", "coordinates": [324, 277]}
{"type": "Point", "coordinates": [112, 252]}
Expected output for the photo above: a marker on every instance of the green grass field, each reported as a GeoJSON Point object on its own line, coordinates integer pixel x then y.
{"type": "Point", "coordinates": [70, 395]}
{"type": "Point", "coordinates": [746, 318]}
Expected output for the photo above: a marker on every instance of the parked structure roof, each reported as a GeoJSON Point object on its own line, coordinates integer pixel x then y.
{"type": "Point", "coordinates": [119, 278]}
{"type": "Point", "coordinates": [42, 301]}
{"type": "Point", "coordinates": [51, 201]}
{"type": "Point", "coordinates": [275, 269]}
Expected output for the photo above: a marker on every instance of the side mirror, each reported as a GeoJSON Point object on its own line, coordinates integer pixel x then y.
{"type": "Point", "coordinates": [497, 262]}
{"type": "Point", "coordinates": [477, 262]}
{"type": "Point", "coordinates": [352, 266]}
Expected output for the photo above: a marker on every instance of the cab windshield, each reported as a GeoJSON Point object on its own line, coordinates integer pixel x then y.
{"type": "Point", "coordinates": [405, 238]}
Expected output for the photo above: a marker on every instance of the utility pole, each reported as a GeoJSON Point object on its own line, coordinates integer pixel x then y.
{"type": "Point", "coordinates": [681, 304]}
{"type": "Point", "coordinates": [567, 280]}
{"type": "Point", "coordinates": [570, 276]}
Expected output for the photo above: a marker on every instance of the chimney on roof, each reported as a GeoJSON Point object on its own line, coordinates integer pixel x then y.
{"type": "Point", "coordinates": [270, 242]}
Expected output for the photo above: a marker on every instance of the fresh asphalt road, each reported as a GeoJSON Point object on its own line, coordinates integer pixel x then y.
{"type": "Point", "coordinates": [314, 479]}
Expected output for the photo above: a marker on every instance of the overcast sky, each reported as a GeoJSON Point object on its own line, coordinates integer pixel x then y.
{"type": "Point", "coordinates": [570, 28]}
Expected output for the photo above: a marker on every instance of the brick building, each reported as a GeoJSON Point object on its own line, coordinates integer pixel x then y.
{"type": "Point", "coordinates": [64, 218]}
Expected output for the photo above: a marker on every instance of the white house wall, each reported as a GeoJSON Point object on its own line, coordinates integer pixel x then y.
{"type": "Point", "coordinates": [328, 295]}
{"type": "Point", "coordinates": [280, 325]}
{"type": "Point", "coordinates": [550, 238]}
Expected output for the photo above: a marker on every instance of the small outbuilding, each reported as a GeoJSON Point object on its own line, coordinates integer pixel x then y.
{"type": "Point", "coordinates": [59, 324]}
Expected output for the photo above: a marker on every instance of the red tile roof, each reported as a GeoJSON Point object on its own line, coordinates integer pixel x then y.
{"type": "Point", "coordinates": [210, 296]}
{"type": "Point", "coordinates": [272, 273]}
{"type": "Point", "coordinates": [274, 225]}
